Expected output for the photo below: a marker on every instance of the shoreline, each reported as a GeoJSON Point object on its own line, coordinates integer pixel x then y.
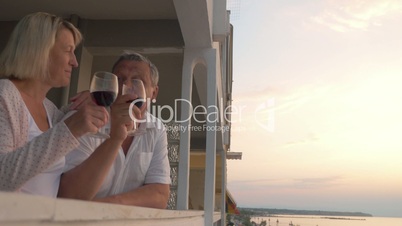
{"type": "Point", "coordinates": [291, 212]}
{"type": "Point", "coordinates": [314, 217]}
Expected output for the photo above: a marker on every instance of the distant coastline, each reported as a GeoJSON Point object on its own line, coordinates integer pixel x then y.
{"type": "Point", "coordinates": [271, 212]}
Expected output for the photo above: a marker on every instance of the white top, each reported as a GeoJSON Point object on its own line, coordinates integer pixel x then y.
{"type": "Point", "coordinates": [47, 182]}
{"type": "Point", "coordinates": [146, 161]}
{"type": "Point", "coordinates": [21, 160]}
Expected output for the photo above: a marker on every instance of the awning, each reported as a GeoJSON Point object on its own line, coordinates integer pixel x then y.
{"type": "Point", "coordinates": [231, 206]}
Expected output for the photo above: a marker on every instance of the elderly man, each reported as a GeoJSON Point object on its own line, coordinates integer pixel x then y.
{"type": "Point", "coordinates": [122, 169]}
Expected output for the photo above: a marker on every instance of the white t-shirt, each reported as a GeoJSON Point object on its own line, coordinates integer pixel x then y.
{"type": "Point", "coordinates": [146, 161]}
{"type": "Point", "coordinates": [47, 182]}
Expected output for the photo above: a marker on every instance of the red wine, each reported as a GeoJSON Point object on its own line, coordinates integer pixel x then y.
{"type": "Point", "coordinates": [104, 98]}
{"type": "Point", "coordinates": [139, 102]}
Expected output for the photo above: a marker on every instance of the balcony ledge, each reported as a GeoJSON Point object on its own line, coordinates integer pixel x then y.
{"type": "Point", "coordinates": [27, 210]}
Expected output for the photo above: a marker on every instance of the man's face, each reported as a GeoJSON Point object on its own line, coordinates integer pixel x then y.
{"type": "Point", "coordinates": [129, 69]}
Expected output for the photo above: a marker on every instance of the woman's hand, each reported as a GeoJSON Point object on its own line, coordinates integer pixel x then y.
{"type": "Point", "coordinates": [80, 100]}
{"type": "Point", "coordinates": [87, 119]}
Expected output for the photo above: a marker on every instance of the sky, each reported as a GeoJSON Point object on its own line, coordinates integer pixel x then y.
{"type": "Point", "coordinates": [317, 105]}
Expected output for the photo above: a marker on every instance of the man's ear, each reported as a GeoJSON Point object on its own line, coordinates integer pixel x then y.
{"type": "Point", "coordinates": [155, 93]}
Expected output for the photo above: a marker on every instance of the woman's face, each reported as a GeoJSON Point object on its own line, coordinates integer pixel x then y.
{"type": "Point", "coordinates": [62, 59]}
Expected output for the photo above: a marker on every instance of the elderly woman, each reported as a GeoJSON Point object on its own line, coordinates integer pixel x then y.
{"type": "Point", "coordinates": [33, 140]}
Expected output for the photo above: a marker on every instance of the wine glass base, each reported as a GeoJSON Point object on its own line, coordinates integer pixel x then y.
{"type": "Point", "coordinates": [131, 133]}
{"type": "Point", "coordinates": [99, 135]}
{"type": "Point", "coordinates": [136, 132]}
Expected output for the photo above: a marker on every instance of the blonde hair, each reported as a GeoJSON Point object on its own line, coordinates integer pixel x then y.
{"type": "Point", "coordinates": [26, 54]}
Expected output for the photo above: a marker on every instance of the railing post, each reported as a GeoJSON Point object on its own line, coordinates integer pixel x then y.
{"type": "Point", "coordinates": [210, 164]}
{"type": "Point", "coordinates": [184, 163]}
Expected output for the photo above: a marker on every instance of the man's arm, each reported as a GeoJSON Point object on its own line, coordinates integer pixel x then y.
{"type": "Point", "coordinates": [149, 195]}
{"type": "Point", "coordinates": [84, 181]}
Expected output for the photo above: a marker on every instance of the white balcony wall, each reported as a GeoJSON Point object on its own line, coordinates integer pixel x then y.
{"type": "Point", "coordinates": [29, 210]}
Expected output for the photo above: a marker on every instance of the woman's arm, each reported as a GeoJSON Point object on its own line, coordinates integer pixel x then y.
{"type": "Point", "coordinates": [21, 160]}
{"type": "Point", "coordinates": [18, 165]}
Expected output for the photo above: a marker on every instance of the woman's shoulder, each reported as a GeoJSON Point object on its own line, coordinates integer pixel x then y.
{"type": "Point", "coordinates": [8, 91]}
{"type": "Point", "coordinates": [6, 85]}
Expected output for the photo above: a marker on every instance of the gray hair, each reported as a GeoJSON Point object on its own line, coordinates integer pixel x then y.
{"type": "Point", "coordinates": [26, 54]}
{"type": "Point", "coordinates": [134, 56]}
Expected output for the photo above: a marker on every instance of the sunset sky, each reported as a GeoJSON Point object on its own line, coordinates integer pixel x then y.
{"type": "Point", "coordinates": [320, 85]}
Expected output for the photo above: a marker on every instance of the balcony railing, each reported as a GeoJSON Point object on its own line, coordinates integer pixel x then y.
{"type": "Point", "coordinates": [28, 210]}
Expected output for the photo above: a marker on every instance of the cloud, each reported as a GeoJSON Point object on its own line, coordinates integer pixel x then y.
{"type": "Point", "coordinates": [347, 15]}
{"type": "Point", "coordinates": [255, 183]}
{"type": "Point", "coordinates": [319, 182]}
{"type": "Point", "coordinates": [312, 137]}
{"type": "Point", "coordinates": [288, 95]}
{"type": "Point", "coordinates": [287, 184]}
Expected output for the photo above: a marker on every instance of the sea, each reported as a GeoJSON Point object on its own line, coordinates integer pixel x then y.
{"type": "Point", "coordinates": [308, 220]}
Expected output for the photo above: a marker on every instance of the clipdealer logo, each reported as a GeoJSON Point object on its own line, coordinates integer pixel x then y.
{"type": "Point", "coordinates": [264, 115]}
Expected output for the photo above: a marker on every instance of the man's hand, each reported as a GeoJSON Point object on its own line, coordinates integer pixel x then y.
{"type": "Point", "coordinates": [121, 121]}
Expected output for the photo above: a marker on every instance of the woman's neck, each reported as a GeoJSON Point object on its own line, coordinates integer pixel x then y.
{"type": "Point", "coordinates": [34, 89]}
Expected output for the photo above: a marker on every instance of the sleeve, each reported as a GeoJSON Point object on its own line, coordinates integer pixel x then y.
{"type": "Point", "coordinates": [21, 161]}
{"type": "Point", "coordinates": [79, 154]}
{"type": "Point", "coordinates": [65, 109]}
{"type": "Point", "coordinates": [85, 148]}
{"type": "Point", "coordinates": [74, 158]}
{"type": "Point", "coordinates": [159, 169]}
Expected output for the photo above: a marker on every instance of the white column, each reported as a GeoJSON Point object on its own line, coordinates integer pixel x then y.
{"type": "Point", "coordinates": [210, 164]}
{"type": "Point", "coordinates": [223, 196]}
{"type": "Point", "coordinates": [184, 153]}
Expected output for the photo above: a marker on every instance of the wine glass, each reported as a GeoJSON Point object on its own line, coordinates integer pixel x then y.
{"type": "Point", "coordinates": [134, 87]}
{"type": "Point", "coordinates": [104, 89]}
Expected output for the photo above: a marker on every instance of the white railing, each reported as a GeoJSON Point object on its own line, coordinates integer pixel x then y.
{"type": "Point", "coordinates": [29, 210]}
